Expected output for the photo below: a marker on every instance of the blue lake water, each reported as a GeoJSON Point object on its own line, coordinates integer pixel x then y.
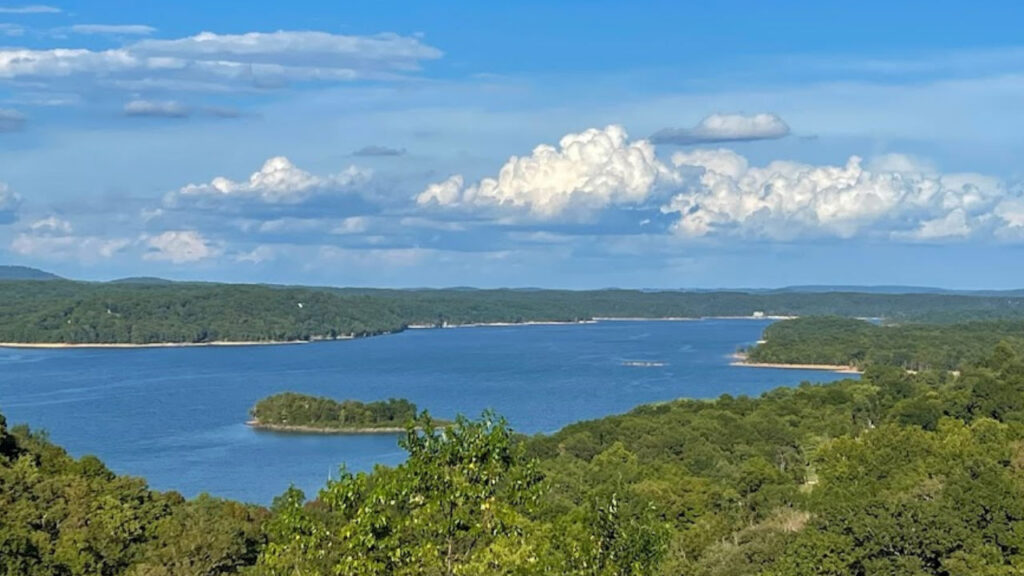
{"type": "Point", "coordinates": [176, 416]}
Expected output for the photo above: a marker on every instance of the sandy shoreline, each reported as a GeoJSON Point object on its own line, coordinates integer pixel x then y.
{"type": "Point", "coordinates": [63, 345]}
{"type": "Point", "coordinates": [98, 345]}
{"type": "Point", "coordinates": [257, 425]}
{"type": "Point", "coordinates": [837, 368]}
{"type": "Point", "coordinates": [740, 359]}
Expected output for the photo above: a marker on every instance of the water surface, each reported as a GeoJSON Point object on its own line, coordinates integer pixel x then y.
{"type": "Point", "coordinates": [176, 416]}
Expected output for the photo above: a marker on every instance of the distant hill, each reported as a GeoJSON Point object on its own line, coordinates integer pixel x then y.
{"type": "Point", "coordinates": [25, 273]}
{"type": "Point", "coordinates": [898, 290]}
{"type": "Point", "coordinates": [143, 280]}
{"type": "Point", "coordinates": [854, 289]}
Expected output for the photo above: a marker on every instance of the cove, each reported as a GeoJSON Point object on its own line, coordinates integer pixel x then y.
{"type": "Point", "coordinates": [176, 416]}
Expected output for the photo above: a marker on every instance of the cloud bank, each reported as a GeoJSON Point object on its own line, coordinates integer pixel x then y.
{"type": "Point", "coordinates": [718, 193]}
{"type": "Point", "coordinates": [786, 200]}
{"type": "Point", "coordinates": [212, 61]}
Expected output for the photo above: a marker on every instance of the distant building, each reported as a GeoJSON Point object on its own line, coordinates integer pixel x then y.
{"type": "Point", "coordinates": [758, 314]}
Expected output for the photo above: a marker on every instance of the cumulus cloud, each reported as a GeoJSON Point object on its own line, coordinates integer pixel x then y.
{"type": "Point", "coordinates": [725, 128]}
{"type": "Point", "coordinates": [180, 247]}
{"type": "Point", "coordinates": [10, 202]}
{"type": "Point", "coordinates": [277, 182]}
{"type": "Point", "coordinates": [373, 150]}
{"type": "Point", "coordinates": [30, 9]}
{"type": "Point", "coordinates": [585, 172]}
{"type": "Point", "coordinates": [158, 109]}
{"type": "Point", "coordinates": [785, 200]}
{"type": "Point", "coordinates": [209, 60]}
{"type": "Point", "coordinates": [114, 29]}
{"type": "Point", "coordinates": [11, 120]}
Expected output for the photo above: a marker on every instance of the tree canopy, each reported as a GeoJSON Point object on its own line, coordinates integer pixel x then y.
{"type": "Point", "coordinates": [892, 473]}
{"type": "Point", "coordinates": [293, 410]}
{"type": "Point", "coordinates": [61, 311]}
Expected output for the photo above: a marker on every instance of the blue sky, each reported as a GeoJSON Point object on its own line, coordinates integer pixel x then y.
{"type": "Point", "coordinates": [558, 144]}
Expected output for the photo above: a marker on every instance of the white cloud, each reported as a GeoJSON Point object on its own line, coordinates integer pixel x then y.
{"type": "Point", "coordinates": [179, 247]}
{"type": "Point", "coordinates": [114, 29]}
{"type": "Point", "coordinates": [952, 225]}
{"type": "Point", "coordinates": [255, 59]}
{"type": "Point", "coordinates": [31, 9]}
{"type": "Point", "coordinates": [1011, 213]}
{"type": "Point", "coordinates": [63, 62]}
{"type": "Point", "coordinates": [67, 246]}
{"type": "Point", "coordinates": [9, 204]}
{"type": "Point", "coordinates": [725, 128]}
{"type": "Point", "coordinates": [445, 193]}
{"type": "Point", "coordinates": [352, 225]}
{"type": "Point", "coordinates": [785, 200]}
{"type": "Point", "coordinates": [586, 172]}
{"type": "Point", "coordinates": [258, 255]}
{"type": "Point", "coordinates": [161, 109]}
{"type": "Point", "coordinates": [277, 182]}
{"type": "Point", "coordinates": [287, 225]}
{"type": "Point", "coordinates": [52, 225]}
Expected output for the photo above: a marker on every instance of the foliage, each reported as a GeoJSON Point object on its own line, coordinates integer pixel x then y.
{"type": "Point", "coordinates": [454, 507]}
{"type": "Point", "coordinates": [60, 516]}
{"type": "Point", "coordinates": [846, 341]}
{"type": "Point", "coordinates": [893, 473]}
{"type": "Point", "coordinates": [292, 409]}
{"type": "Point", "coordinates": [143, 312]}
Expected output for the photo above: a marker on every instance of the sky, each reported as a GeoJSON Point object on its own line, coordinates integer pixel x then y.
{"type": "Point", "coordinates": [551, 144]}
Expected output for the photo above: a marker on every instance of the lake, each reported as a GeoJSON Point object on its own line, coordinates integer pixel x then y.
{"type": "Point", "coordinates": [176, 416]}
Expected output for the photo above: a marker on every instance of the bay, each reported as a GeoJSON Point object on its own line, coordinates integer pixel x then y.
{"type": "Point", "coordinates": [176, 416]}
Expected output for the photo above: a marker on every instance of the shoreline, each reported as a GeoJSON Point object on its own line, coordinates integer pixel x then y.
{"type": "Point", "coordinates": [287, 429]}
{"type": "Point", "coordinates": [99, 345]}
{"type": "Point", "coordinates": [739, 359]}
{"type": "Point", "coordinates": [836, 368]}
{"type": "Point", "coordinates": [232, 343]}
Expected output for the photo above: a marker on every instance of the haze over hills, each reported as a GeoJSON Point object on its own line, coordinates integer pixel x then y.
{"type": "Point", "coordinates": [25, 273]}
{"type": "Point", "coordinates": [13, 272]}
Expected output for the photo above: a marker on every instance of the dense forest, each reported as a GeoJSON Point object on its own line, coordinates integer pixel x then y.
{"type": "Point", "coordinates": [851, 342]}
{"type": "Point", "coordinates": [61, 311]}
{"type": "Point", "coordinates": [895, 473]}
{"type": "Point", "coordinates": [293, 410]}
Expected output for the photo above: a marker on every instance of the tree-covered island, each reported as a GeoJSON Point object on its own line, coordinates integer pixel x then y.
{"type": "Point", "coordinates": [302, 413]}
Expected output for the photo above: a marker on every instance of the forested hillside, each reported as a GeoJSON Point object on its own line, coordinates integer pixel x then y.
{"type": "Point", "coordinates": [851, 342]}
{"type": "Point", "coordinates": [24, 273]}
{"type": "Point", "coordinates": [152, 312]}
{"type": "Point", "coordinates": [895, 473]}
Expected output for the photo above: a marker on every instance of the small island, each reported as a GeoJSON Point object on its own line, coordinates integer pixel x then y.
{"type": "Point", "coordinates": [305, 414]}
